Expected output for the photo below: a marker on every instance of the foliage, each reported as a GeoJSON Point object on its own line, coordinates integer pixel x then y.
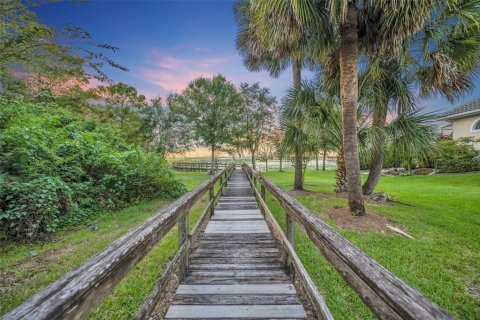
{"type": "Point", "coordinates": [57, 169]}
{"type": "Point", "coordinates": [170, 134]}
{"type": "Point", "coordinates": [35, 265]}
{"type": "Point", "coordinates": [256, 119]}
{"type": "Point", "coordinates": [35, 58]}
{"type": "Point", "coordinates": [212, 108]}
{"type": "Point", "coordinates": [457, 156]}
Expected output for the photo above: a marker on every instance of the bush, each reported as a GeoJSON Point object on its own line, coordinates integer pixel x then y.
{"type": "Point", "coordinates": [57, 169]}
{"type": "Point", "coordinates": [457, 156]}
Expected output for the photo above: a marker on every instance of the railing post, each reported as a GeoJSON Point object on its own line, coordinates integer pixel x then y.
{"type": "Point", "coordinates": [182, 239]}
{"type": "Point", "coordinates": [290, 233]}
{"type": "Point", "coordinates": [220, 187]}
{"type": "Point", "coordinates": [210, 197]}
{"type": "Point", "coordinates": [262, 194]}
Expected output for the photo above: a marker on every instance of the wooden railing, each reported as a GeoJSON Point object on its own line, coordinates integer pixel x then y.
{"type": "Point", "coordinates": [79, 291]}
{"type": "Point", "coordinates": [384, 293]}
{"type": "Point", "coordinates": [198, 166]}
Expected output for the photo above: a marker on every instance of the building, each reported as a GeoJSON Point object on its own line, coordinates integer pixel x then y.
{"type": "Point", "coordinates": [463, 121]}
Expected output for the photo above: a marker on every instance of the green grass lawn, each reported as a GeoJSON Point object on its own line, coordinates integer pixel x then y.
{"type": "Point", "coordinates": [443, 262]}
{"type": "Point", "coordinates": [26, 269]}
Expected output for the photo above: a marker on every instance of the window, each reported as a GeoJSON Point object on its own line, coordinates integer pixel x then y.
{"type": "Point", "coordinates": [476, 126]}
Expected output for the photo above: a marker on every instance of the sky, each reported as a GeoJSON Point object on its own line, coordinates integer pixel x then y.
{"type": "Point", "coordinates": [167, 44]}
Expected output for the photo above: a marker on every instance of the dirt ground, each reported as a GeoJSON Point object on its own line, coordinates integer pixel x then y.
{"type": "Point", "coordinates": [372, 221]}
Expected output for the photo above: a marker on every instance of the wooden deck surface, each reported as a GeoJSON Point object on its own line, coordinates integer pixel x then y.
{"type": "Point", "coordinates": [237, 271]}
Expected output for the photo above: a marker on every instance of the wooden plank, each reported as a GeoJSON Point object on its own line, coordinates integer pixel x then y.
{"type": "Point", "coordinates": [192, 279]}
{"type": "Point", "coordinates": [233, 299]}
{"type": "Point", "coordinates": [384, 293]}
{"type": "Point", "coordinates": [226, 254]}
{"type": "Point", "coordinates": [238, 251]}
{"type": "Point", "coordinates": [240, 266]}
{"type": "Point", "coordinates": [238, 311]}
{"type": "Point", "coordinates": [238, 211]}
{"type": "Point", "coordinates": [239, 273]}
{"type": "Point", "coordinates": [240, 218]}
{"type": "Point", "coordinates": [222, 229]}
{"type": "Point", "coordinates": [223, 260]}
{"type": "Point", "coordinates": [237, 289]}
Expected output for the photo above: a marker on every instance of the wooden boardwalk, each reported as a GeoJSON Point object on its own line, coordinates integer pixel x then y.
{"type": "Point", "coordinates": [237, 271]}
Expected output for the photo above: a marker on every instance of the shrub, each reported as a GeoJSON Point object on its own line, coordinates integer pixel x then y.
{"type": "Point", "coordinates": [57, 169]}
{"type": "Point", "coordinates": [33, 208]}
{"type": "Point", "coordinates": [457, 156]}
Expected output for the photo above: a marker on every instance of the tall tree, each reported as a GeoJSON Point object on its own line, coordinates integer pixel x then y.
{"type": "Point", "coordinates": [272, 43]}
{"type": "Point", "coordinates": [165, 132]}
{"type": "Point", "coordinates": [362, 26]}
{"type": "Point", "coordinates": [212, 107]}
{"type": "Point", "coordinates": [257, 116]}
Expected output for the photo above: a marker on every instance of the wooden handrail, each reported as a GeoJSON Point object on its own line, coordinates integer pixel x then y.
{"type": "Point", "coordinates": [79, 291]}
{"type": "Point", "coordinates": [384, 293]}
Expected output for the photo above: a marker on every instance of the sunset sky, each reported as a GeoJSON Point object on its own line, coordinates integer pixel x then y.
{"type": "Point", "coordinates": [166, 44]}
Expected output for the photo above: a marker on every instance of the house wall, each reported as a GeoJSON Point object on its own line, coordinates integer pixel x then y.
{"type": "Point", "coordinates": [463, 128]}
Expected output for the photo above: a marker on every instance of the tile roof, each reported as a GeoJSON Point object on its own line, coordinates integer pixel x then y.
{"type": "Point", "coordinates": [468, 107]}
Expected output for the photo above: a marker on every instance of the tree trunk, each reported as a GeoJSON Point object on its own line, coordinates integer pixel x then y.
{"type": "Point", "coordinates": [281, 163]}
{"type": "Point", "coordinates": [297, 80]}
{"type": "Point", "coordinates": [348, 98]}
{"type": "Point", "coordinates": [324, 158]}
{"type": "Point", "coordinates": [316, 161]}
{"type": "Point", "coordinates": [341, 173]}
{"type": "Point", "coordinates": [376, 166]}
{"type": "Point", "coordinates": [266, 165]}
{"type": "Point", "coordinates": [298, 182]}
{"type": "Point", "coordinates": [212, 161]}
{"type": "Point", "coordinates": [254, 162]}
{"type": "Point", "coordinates": [297, 72]}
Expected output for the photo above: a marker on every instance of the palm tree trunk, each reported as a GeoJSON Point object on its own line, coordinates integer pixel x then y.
{"type": "Point", "coordinates": [376, 166]}
{"type": "Point", "coordinates": [298, 182]}
{"type": "Point", "coordinates": [281, 164]}
{"type": "Point", "coordinates": [324, 158]}
{"type": "Point", "coordinates": [348, 98]}
{"type": "Point", "coordinates": [316, 161]}
{"type": "Point", "coordinates": [297, 72]}
{"type": "Point", "coordinates": [297, 79]}
{"type": "Point", "coordinates": [341, 173]}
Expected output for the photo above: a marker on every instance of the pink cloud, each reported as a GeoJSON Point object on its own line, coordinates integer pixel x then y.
{"type": "Point", "coordinates": [173, 73]}
{"type": "Point", "coordinates": [172, 82]}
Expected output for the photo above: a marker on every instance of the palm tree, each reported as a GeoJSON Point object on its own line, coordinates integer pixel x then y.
{"type": "Point", "coordinates": [386, 86]}
{"type": "Point", "coordinates": [272, 44]}
{"type": "Point", "coordinates": [445, 66]}
{"type": "Point", "coordinates": [298, 138]}
{"type": "Point", "coordinates": [411, 134]}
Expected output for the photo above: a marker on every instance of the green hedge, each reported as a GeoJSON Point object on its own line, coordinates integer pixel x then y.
{"type": "Point", "coordinates": [457, 156]}
{"type": "Point", "coordinates": [57, 169]}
